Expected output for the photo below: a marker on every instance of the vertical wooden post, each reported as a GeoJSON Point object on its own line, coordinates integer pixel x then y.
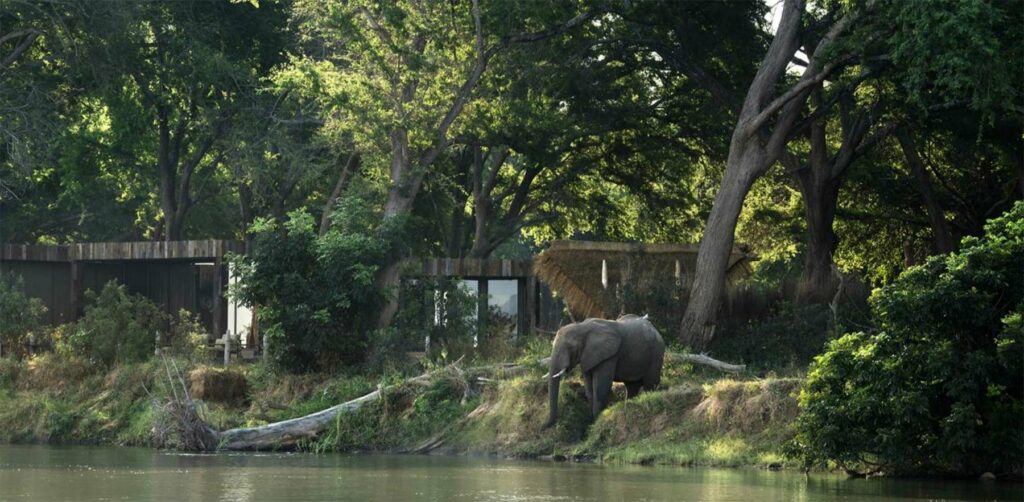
{"type": "Point", "coordinates": [530, 304]}
{"type": "Point", "coordinates": [219, 312]}
{"type": "Point", "coordinates": [227, 348]}
{"type": "Point", "coordinates": [77, 290]}
{"type": "Point", "coordinates": [481, 308]}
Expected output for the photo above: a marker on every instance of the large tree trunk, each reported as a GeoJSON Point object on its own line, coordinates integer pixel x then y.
{"type": "Point", "coordinates": [400, 199]}
{"type": "Point", "coordinates": [944, 242]}
{"type": "Point", "coordinates": [819, 185]}
{"type": "Point", "coordinates": [752, 150]}
{"type": "Point", "coordinates": [818, 283]}
{"type": "Point", "coordinates": [481, 242]}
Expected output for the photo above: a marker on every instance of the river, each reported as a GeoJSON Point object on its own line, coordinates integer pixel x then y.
{"type": "Point", "coordinates": [83, 473]}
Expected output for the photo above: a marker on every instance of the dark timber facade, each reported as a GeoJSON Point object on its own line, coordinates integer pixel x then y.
{"type": "Point", "coordinates": [176, 275]}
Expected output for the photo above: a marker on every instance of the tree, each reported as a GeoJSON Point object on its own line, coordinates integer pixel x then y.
{"type": "Point", "coordinates": [753, 149]}
{"type": "Point", "coordinates": [171, 75]}
{"type": "Point", "coordinates": [875, 39]}
{"type": "Point", "coordinates": [407, 71]}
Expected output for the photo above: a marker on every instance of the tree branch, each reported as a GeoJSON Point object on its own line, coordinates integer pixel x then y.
{"type": "Point", "coordinates": [30, 35]}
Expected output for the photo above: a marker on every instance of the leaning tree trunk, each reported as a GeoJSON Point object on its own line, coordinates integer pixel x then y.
{"type": "Point", "coordinates": [481, 239]}
{"type": "Point", "coordinates": [716, 245]}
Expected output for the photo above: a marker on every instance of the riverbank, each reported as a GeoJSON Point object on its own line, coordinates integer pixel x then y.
{"type": "Point", "coordinates": [698, 419]}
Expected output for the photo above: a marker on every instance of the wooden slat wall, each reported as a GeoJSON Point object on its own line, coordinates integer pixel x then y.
{"type": "Point", "coordinates": [473, 268]}
{"type": "Point", "coordinates": [47, 281]}
{"type": "Point", "coordinates": [117, 251]}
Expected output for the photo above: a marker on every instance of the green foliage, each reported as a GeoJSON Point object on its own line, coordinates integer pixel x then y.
{"type": "Point", "coordinates": [20, 316]}
{"type": "Point", "coordinates": [117, 327]}
{"type": "Point", "coordinates": [10, 369]}
{"type": "Point", "coordinates": [957, 51]}
{"type": "Point", "coordinates": [316, 293]}
{"type": "Point", "coordinates": [660, 298]}
{"type": "Point", "coordinates": [941, 387]}
{"type": "Point", "coordinates": [187, 336]}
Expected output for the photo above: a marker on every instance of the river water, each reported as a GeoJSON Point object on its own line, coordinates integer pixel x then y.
{"type": "Point", "coordinates": [82, 473]}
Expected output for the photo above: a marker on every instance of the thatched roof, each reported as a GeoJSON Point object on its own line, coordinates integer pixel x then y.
{"type": "Point", "coordinates": [574, 270]}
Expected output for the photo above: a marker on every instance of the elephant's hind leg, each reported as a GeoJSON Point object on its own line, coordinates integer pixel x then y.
{"type": "Point", "coordinates": [653, 380]}
{"type": "Point", "coordinates": [632, 389]}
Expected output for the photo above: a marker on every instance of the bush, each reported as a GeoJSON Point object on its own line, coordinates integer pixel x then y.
{"type": "Point", "coordinates": [316, 293]}
{"type": "Point", "coordinates": [939, 389]}
{"type": "Point", "coordinates": [20, 315]}
{"type": "Point", "coordinates": [187, 336]}
{"type": "Point", "coordinates": [117, 328]}
{"type": "Point", "coordinates": [10, 369]}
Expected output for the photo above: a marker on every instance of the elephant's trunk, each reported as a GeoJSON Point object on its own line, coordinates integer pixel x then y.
{"type": "Point", "coordinates": [553, 384]}
{"type": "Point", "coordinates": [559, 365]}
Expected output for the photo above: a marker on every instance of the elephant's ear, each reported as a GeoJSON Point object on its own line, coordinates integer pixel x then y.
{"type": "Point", "coordinates": [601, 343]}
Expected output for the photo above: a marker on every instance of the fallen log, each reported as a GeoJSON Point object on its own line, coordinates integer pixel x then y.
{"type": "Point", "coordinates": [707, 361]}
{"type": "Point", "coordinates": [285, 434]}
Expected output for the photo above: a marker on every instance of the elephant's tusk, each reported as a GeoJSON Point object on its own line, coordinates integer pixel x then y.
{"type": "Point", "coordinates": [549, 375]}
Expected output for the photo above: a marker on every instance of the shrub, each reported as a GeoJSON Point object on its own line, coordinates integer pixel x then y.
{"type": "Point", "coordinates": [20, 315]}
{"type": "Point", "coordinates": [187, 336]}
{"type": "Point", "coordinates": [117, 328]}
{"type": "Point", "coordinates": [939, 388]}
{"type": "Point", "coordinates": [10, 369]}
{"type": "Point", "coordinates": [316, 293]}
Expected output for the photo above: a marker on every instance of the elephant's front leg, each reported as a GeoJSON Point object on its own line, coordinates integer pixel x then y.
{"type": "Point", "coordinates": [602, 376]}
{"type": "Point", "coordinates": [588, 387]}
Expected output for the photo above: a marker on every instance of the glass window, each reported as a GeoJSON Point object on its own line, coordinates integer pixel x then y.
{"type": "Point", "coordinates": [503, 295]}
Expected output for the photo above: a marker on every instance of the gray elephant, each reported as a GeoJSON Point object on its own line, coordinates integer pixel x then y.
{"type": "Point", "coordinates": [628, 350]}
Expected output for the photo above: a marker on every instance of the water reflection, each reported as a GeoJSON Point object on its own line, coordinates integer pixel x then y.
{"type": "Point", "coordinates": [86, 473]}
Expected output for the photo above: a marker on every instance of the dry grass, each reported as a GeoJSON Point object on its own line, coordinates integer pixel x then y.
{"type": "Point", "coordinates": [748, 407]}
{"type": "Point", "coordinates": [724, 423]}
{"type": "Point", "coordinates": [54, 373]}
{"type": "Point", "coordinates": [647, 415]}
{"type": "Point", "coordinates": [218, 385]}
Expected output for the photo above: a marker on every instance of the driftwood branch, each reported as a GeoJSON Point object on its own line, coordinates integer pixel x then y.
{"type": "Point", "coordinates": [707, 361]}
{"type": "Point", "coordinates": [284, 434]}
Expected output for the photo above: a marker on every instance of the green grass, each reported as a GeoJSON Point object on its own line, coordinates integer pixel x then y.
{"type": "Point", "coordinates": [698, 420]}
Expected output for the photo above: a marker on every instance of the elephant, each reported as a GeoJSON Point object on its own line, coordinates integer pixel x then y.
{"type": "Point", "coordinates": [628, 350]}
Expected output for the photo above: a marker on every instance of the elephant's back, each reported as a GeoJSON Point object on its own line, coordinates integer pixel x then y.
{"type": "Point", "coordinates": [642, 348]}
